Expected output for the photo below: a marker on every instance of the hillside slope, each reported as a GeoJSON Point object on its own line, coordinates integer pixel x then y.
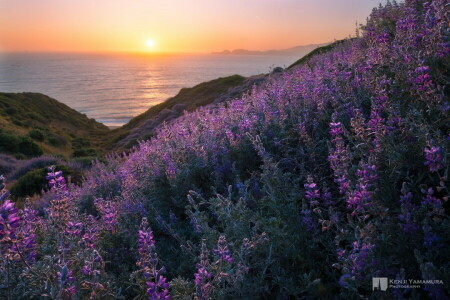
{"type": "Point", "coordinates": [50, 124]}
{"type": "Point", "coordinates": [53, 125]}
{"type": "Point", "coordinates": [143, 126]}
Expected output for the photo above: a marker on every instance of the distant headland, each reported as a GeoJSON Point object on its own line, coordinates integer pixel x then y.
{"type": "Point", "coordinates": [297, 50]}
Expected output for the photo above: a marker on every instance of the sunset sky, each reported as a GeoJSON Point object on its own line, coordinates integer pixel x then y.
{"type": "Point", "coordinates": [174, 25]}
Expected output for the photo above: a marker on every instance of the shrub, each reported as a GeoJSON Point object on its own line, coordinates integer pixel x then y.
{"type": "Point", "coordinates": [29, 148]}
{"type": "Point", "coordinates": [79, 143]}
{"type": "Point", "coordinates": [18, 145]}
{"type": "Point", "coordinates": [82, 163]}
{"type": "Point", "coordinates": [88, 152]}
{"type": "Point", "coordinates": [36, 134]}
{"type": "Point", "coordinates": [34, 181]}
{"type": "Point", "coordinates": [57, 140]}
{"type": "Point", "coordinates": [7, 164]}
{"type": "Point", "coordinates": [30, 184]}
{"type": "Point", "coordinates": [10, 110]}
{"type": "Point", "coordinates": [24, 166]}
{"type": "Point", "coordinates": [18, 123]}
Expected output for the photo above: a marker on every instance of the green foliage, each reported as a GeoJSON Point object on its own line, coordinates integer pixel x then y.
{"type": "Point", "coordinates": [191, 98]}
{"type": "Point", "coordinates": [10, 110]}
{"type": "Point", "coordinates": [18, 145]}
{"type": "Point", "coordinates": [199, 95]}
{"type": "Point", "coordinates": [50, 121]}
{"type": "Point", "coordinates": [57, 140]}
{"type": "Point", "coordinates": [315, 52]}
{"type": "Point", "coordinates": [78, 143]}
{"type": "Point", "coordinates": [36, 134]}
{"type": "Point", "coordinates": [86, 152]}
{"type": "Point", "coordinates": [182, 289]}
{"type": "Point", "coordinates": [30, 184]}
{"type": "Point", "coordinates": [7, 164]}
{"type": "Point", "coordinates": [85, 161]}
{"type": "Point", "coordinates": [33, 182]}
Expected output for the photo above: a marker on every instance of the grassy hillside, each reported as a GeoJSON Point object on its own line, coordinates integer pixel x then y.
{"type": "Point", "coordinates": [37, 121]}
{"type": "Point", "coordinates": [143, 125]}
{"type": "Point", "coordinates": [215, 91]}
{"type": "Point", "coordinates": [199, 95]}
{"type": "Point", "coordinates": [43, 125]}
{"type": "Point", "coordinates": [315, 52]}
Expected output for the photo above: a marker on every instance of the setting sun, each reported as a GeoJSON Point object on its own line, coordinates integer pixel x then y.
{"type": "Point", "coordinates": [150, 43]}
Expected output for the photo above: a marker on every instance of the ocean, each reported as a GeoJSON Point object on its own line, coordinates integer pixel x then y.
{"type": "Point", "coordinates": [114, 88]}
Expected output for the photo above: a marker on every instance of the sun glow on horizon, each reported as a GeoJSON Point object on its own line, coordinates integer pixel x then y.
{"type": "Point", "coordinates": [150, 43]}
{"type": "Point", "coordinates": [174, 26]}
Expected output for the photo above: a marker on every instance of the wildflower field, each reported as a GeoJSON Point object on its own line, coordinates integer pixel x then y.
{"type": "Point", "coordinates": [333, 172]}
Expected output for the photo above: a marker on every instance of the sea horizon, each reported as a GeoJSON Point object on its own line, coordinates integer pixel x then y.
{"type": "Point", "coordinates": [112, 88]}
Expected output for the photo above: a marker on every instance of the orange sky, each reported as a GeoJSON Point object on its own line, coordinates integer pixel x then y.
{"type": "Point", "coordinates": [174, 25]}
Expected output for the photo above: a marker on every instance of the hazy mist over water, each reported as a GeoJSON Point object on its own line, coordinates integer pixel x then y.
{"type": "Point", "coordinates": [114, 88]}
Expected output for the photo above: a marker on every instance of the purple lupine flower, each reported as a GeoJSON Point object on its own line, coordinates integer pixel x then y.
{"type": "Point", "coordinates": [9, 222]}
{"type": "Point", "coordinates": [17, 233]}
{"type": "Point", "coordinates": [88, 239]}
{"type": "Point", "coordinates": [345, 279]}
{"type": "Point", "coordinates": [57, 182]}
{"type": "Point", "coordinates": [173, 218]}
{"type": "Point", "coordinates": [308, 220]}
{"type": "Point", "coordinates": [203, 276]}
{"type": "Point", "coordinates": [109, 212]}
{"type": "Point", "coordinates": [196, 225]}
{"type": "Point", "coordinates": [27, 242]}
{"type": "Point", "coordinates": [327, 197]}
{"type": "Point", "coordinates": [86, 270]}
{"type": "Point", "coordinates": [336, 129]}
{"type": "Point", "coordinates": [429, 199]}
{"type": "Point", "coordinates": [312, 192]}
{"type": "Point", "coordinates": [148, 262]}
{"type": "Point", "coordinates": [356, 259]}
{"type": "Point", "coordinates": [222, 250]}
{"type": "Point", "coordinates": [430, 239]}
{"type": "Point", "coordinates": [66, 280]}
{"type": "Point", "coordinates": [344, 184]}
{"type": "Point", "coordinates": [422, 79]}
{"type": "Point", "coordinates": [406, 217]}
{"type": "Point", "coordinates": [158, 290]}
{"type": "Point", "coordinates": [433, 158]}
{"type": "Point", "coordinates": [361, 197]}
{"type": "Point", "coordinates": [145, 241]}
{"type": "Point", "coordinates": [60, 208]}
{"type": "Point", "coordinates": [339, 158]}
{"type": "Point", "coordinates": [383, 38]}
{"type": "Point", "coordinates": [73, 229]}
{"type": "Point", "coordinates": [92, 264]}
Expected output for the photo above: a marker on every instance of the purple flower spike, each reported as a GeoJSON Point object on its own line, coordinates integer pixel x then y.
{"type": "Point", "coordinates": [433, 158]}
{"type": "Point", "coordinates": [222, 250]}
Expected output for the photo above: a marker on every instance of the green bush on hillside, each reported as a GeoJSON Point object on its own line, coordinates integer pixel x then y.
{"type": "Point", "coordinates": [10, 110]}
{"type": "Point", "coordinates": [18, 145]}
{"type": "Point", "coordinates": [57, 140]}
{"type": "Point", "coordinates": [79, 143]}
{"type": "Point", "coordinates": [84, 152]}
{"type": "Point", "coordinates": [34, 181]}
{"type": "Point", "coordinates": [36, 134]}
